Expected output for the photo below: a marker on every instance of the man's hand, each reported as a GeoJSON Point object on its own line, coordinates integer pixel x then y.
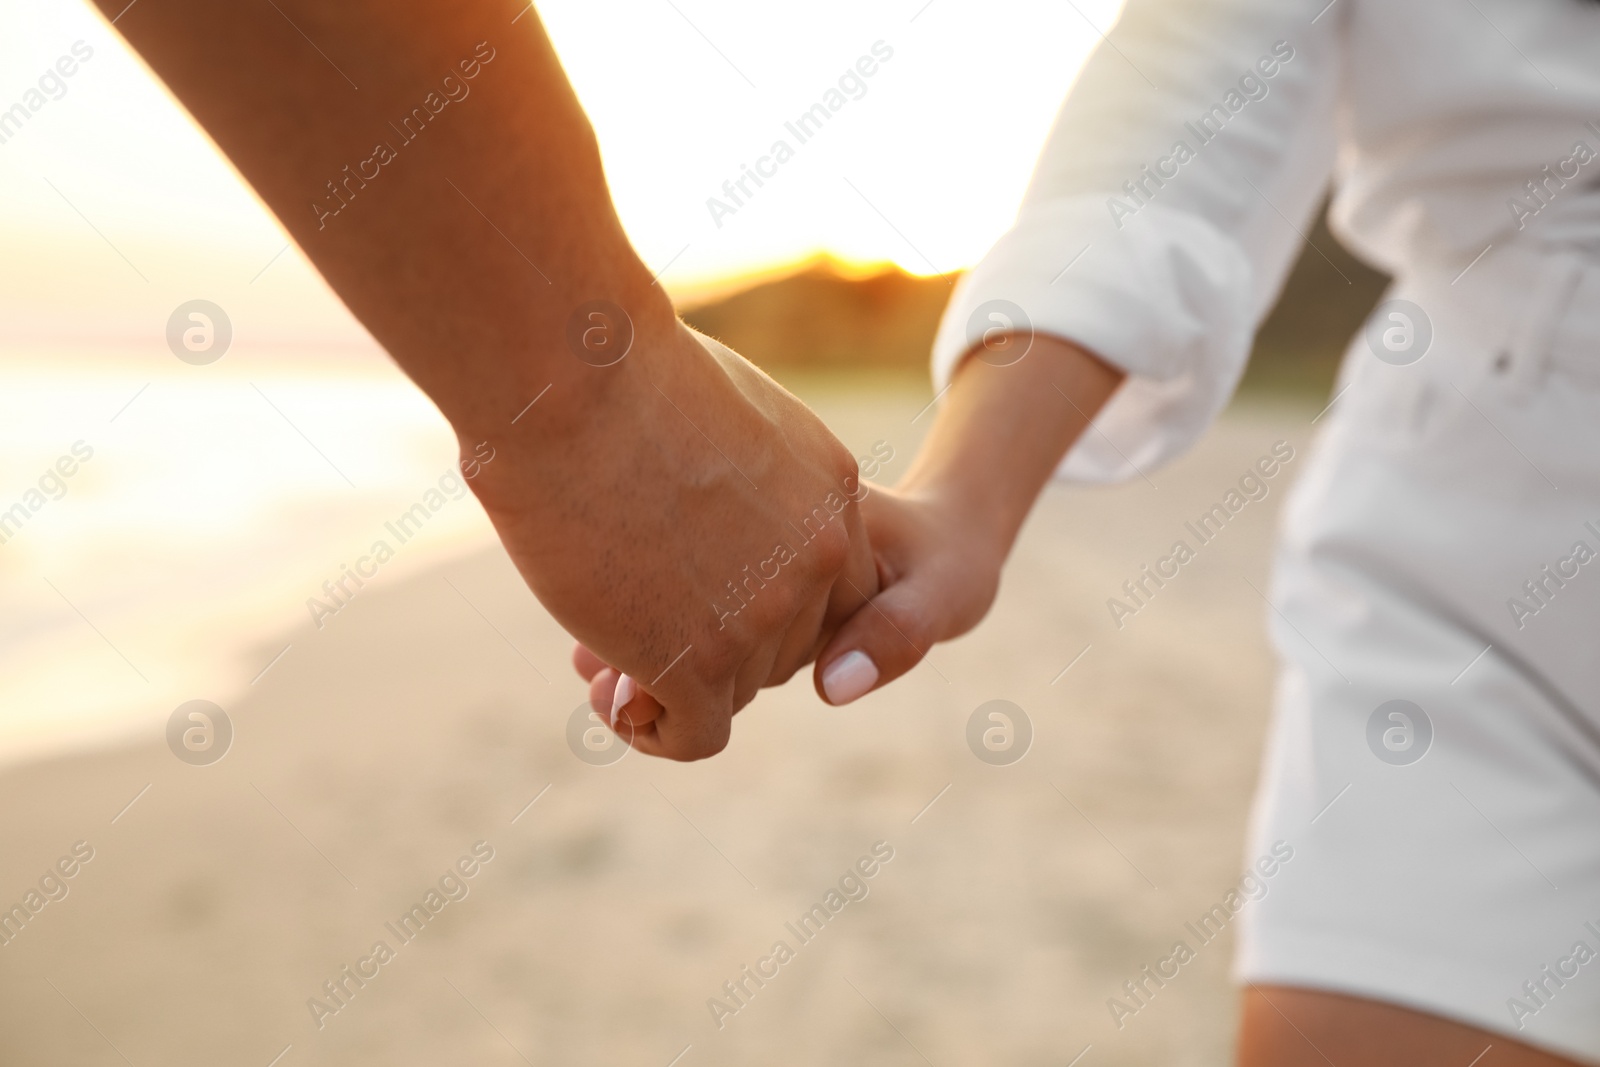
{"type": "Point", "coordinates": [697, 528]}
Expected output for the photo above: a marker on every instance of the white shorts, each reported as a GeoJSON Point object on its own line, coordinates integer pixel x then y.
{"type": "Point", "coordinates": [1442, 549]}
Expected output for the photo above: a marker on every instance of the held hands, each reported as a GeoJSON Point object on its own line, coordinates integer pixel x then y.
{"type": "Point", "coordinates": [937, 581]}
{"type": "Point", "coordinates": [937, 542]}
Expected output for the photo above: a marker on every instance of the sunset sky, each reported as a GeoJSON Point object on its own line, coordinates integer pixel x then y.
{"type": "Point", "coordinates": [113, 205]}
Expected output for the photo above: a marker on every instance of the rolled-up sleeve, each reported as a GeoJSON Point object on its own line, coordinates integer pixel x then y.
{"type": "Point", "coordinates": [1164, 213]}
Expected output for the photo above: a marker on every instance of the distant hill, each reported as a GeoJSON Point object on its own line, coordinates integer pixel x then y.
{"type": "Point", "coordinates": [822, 318]}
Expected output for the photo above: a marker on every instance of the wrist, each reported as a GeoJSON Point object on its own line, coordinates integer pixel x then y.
{"type": "Point", "coordinates": [1001, 432]}
{"type": "Point", "coordinates": [618, 410]}
{"type": "Point", "coordinates": [970, 516]}
{"type": "Point", "coordinates": [576, 366]}
{"type": "Point", "coordinates": [539, 426]}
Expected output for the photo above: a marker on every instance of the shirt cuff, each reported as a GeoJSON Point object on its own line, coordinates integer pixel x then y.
{"type": "Point", "coordinates": [1163, 295]}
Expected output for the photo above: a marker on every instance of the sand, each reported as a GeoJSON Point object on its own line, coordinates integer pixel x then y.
{"type": "Point", "coordinates": [427, 716]}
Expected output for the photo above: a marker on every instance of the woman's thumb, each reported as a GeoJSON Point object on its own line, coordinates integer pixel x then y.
{"type": "Point", "coordinates": [884, 639]}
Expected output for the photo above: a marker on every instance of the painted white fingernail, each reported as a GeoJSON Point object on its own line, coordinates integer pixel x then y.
{"type": "Point", "coordinates": [626, 688]}
{"type": "Point", "coordinates": [849, 677]}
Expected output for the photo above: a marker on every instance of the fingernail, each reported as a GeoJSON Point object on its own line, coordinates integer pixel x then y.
{"type": "Point", "coordinates": [626, 688]}
{"type": "Point", "coordinates": [849, 677]}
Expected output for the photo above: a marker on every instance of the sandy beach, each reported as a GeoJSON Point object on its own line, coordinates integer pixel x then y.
{"type": "Point", "coordinates": [425, 731]}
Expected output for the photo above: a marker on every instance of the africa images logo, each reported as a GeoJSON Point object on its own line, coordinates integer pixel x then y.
{"type": "Point", "coordinates": [1399, 732]}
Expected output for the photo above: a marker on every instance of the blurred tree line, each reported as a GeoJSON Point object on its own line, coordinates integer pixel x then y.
{"type": "Point", "coordinates": [820, 318]}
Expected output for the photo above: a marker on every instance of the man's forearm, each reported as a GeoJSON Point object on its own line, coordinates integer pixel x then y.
{"type": "Point", "coordinates": [434, 164]}
{"type": "Point", "coordinates": [1002, 430]}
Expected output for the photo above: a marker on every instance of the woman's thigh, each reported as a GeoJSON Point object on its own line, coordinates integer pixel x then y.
{"type": "Point", "coordinates": [1286, 1027]}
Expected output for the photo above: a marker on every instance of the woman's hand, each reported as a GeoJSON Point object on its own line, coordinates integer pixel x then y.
{"type": "Point", "coordinates": [941, 538]}
{"type": "Point", "coordinates": [938, 574]}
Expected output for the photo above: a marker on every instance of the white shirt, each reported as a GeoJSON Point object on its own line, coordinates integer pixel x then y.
{"type": "Point", "coordinates": [1430, 116]}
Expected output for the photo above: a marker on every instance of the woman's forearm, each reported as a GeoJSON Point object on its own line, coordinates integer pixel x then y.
{"type": "Point", "coordinates": [1002, 430]}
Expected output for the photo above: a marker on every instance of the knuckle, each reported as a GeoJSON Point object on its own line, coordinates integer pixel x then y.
{"type": "Point", "coordinates": [782, 672]}
{"type": "Point", "coordinates": [723, 654]}
{"type": "Point", "coordinates": [830, 547]}
{"type": "Point", "coordinates": [704, 745]}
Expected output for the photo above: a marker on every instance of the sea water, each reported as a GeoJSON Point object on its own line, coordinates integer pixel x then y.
{"type": "Point", "coordinates": [166, 527]}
